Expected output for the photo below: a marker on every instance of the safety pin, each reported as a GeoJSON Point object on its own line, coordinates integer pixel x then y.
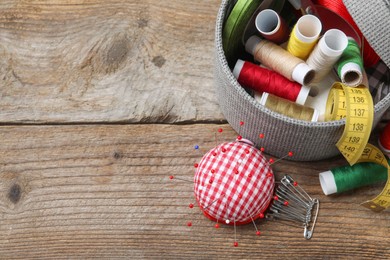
{"type": "Point", "coordinates": [292, 203]}
{"type": "Point", "coordinates": [308, 233]}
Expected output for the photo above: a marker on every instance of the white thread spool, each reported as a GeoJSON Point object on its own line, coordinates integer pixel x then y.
{"type": "Point", "coordinates": [271, 26]}
{"type": "Point", "coordinates": [328, 50]}
{"type": "Point", "coordinates": [351, 74]}
{"type": "Point", "coordinates": [328, 183]}
{"type": "Point", "coordinates": [300, 73]}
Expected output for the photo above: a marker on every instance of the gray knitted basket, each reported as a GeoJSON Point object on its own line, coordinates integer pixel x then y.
{"type": "Point", "coordinates": [308, 140]}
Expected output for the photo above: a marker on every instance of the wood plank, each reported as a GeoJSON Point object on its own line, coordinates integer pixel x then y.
{"type": "Point", "coordinates": [104, 191]}
{"type": "Point", "coordinates": [107, 61]}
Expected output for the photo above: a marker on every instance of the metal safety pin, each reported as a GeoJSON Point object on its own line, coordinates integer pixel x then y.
{"type": "Point", "coordinates": [308, 233]}
{"type": "Point", "coordinates": [293, 204]}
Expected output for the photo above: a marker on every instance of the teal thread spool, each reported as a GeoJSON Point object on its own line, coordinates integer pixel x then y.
{"type": "Point", "coordinates": [347, 178]}
{"type": "Point", "coordinates": [350, 65]}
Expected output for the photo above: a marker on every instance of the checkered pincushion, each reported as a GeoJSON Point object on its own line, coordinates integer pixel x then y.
{"type": "Point", "coordinates": [233, 183]}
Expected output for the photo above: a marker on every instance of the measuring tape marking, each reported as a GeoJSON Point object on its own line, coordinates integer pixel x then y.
{"type": "Point", "coordinates": [356, 106]}
{"type": "Point", "coordinates": [382, 201]}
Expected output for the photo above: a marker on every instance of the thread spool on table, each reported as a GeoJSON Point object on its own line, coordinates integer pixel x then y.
{"type": "Point", "coordinates": [346, 178]}
{"type": "Point", "coordinates": [279, 60]}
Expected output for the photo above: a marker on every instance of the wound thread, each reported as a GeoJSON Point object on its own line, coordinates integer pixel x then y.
{"type": "Point", "coordinates": [347, 177]}
{"type": "Point", "coordinates": [264, 80]}
{"type": "Point", "coordinates": [304, 36]}
{"type": "Point", "coordinates": [327, 52]}
{"type": "Point", "coordinates": [288, 108]}
{"type": "Point", "coordinates": [271, 26]}
{"type": "Point", "coordinates": [337, 6]}
{"type": "Point", "coordinates": [279, 60]}
{"type": "Point", "coordinates": [350, 65]}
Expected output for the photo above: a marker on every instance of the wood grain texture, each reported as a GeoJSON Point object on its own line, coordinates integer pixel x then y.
{"type": "Point", "coordinates": [104, 191]}
{"type": "Point", "coordinates": [107, 61]}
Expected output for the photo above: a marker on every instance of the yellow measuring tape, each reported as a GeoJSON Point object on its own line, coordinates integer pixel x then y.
{"type": "Point", "coordinates": [356, 106]}
{"type": "Point", "coordinates": [382, 201]}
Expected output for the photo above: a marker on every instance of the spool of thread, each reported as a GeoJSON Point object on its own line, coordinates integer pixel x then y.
{"type": "Point", "coordinates": [271, 26]}
{"type": "Point", "coordinates": [288, 108]}
{"type": "Point", "coordinates": [384, 140]}
{"type": "Point", "coordinates": [264, 80]}
{"type": "Point", "coordinates": [348, 177]}
{"type": "Point", "coordinates": [279, 60]}
{"type": "Point", "coordinates": [327, 52]}
{"type": "Point", "coordinates": [337, 6]}
{"type": "Point", "coordinates": [350, 65]}
{"type": "Point", "coordinates": [304, 36]}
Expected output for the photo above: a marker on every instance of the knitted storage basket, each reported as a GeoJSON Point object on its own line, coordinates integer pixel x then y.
{"type": "Point", "coordinates": [308, 140]}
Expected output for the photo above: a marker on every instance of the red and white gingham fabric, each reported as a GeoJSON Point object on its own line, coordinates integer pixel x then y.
{"type": "Point", "coordinates": [231, 183]}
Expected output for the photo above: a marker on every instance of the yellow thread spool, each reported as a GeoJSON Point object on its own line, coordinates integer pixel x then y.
{"type": "Point", "coordinates": [304, 36]}
{"type": "Point", "coordinates": [288, 108]}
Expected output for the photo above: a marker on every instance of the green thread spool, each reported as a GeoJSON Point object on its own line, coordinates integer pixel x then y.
{"type": "Point", "coordinates": [347, 178]}
{"type": "Point", "coordinates": [234, 27]}
{"type": "Point", "coordinates": [350, 65]}
{"type": "Point", "coordinates": [288, 108]}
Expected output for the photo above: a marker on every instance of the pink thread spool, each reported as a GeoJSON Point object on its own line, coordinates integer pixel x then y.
{"type": "Point", "coordinates": [271, 26]}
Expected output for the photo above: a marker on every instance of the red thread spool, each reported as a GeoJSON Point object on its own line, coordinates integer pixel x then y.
{"type": "Point", "coordinates": [241, 190]}
{"type": "Point", "coordinates": [384, 140]}
{"type": "Point", "coordinates": [369, 55]}
{"type": "Point", "coordinates": [265, 80]}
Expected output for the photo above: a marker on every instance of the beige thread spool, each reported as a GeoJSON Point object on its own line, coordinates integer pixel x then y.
{"type": "Point", "coordinates": [279, 60]}
{"type": "Point", "coordinates": [288, 108]}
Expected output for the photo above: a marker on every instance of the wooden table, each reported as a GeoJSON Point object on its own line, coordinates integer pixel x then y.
{"type": "Point", "coordinates": [100, 102]}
